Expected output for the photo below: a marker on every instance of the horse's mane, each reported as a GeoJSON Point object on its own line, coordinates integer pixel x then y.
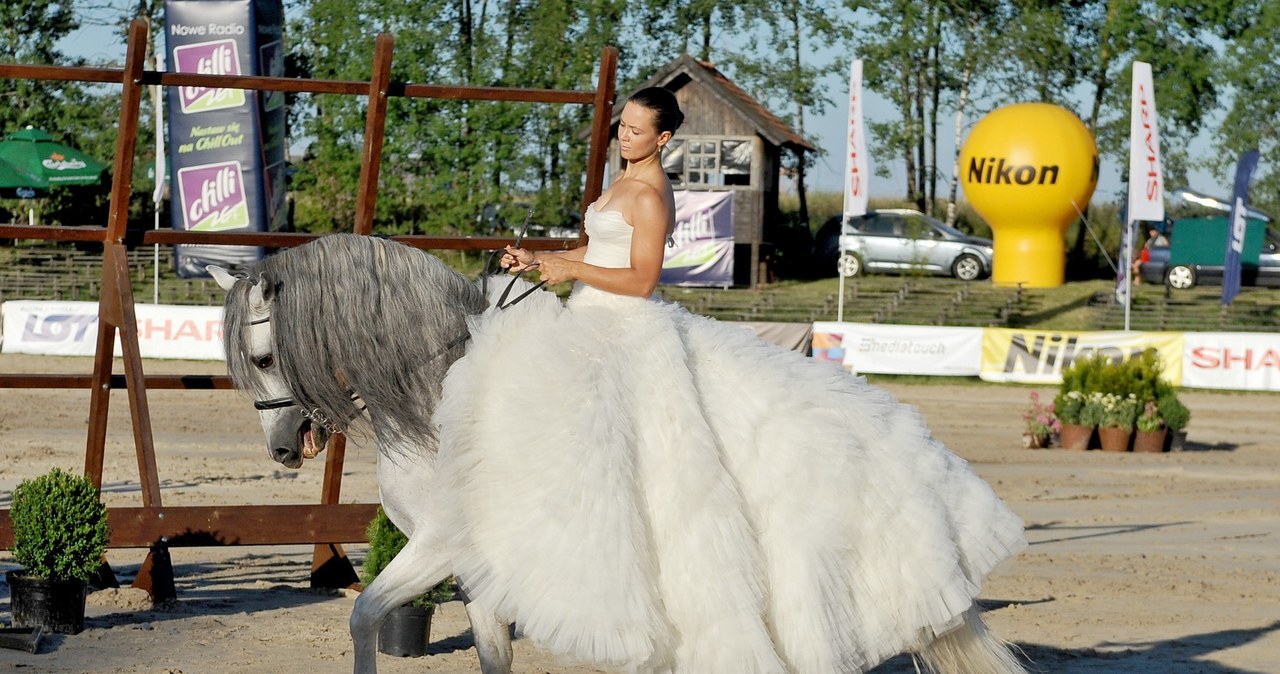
{"type": "Point", "coordinates": [385, 319]}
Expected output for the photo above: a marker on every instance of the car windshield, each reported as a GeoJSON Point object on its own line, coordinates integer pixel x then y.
{"type": "Point", "coordinates": [952, 231]}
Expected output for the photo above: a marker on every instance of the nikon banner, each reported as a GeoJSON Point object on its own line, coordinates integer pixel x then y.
{"type": "Point", "coordinates": [1040, 356]}
{"type": "Point", "coordinates": [226, 146]}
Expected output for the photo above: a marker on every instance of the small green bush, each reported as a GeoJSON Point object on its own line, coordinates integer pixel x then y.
{"type": "Point", "coordinates": [59, 526]}
{"type": "Point", "coordinates": [1175, 414]}
{"type": "Point", "coordinates": [385, 542]}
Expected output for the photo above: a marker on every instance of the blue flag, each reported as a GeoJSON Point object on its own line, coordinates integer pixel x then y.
{"type": "Point", "coordinates": [1235, 233]}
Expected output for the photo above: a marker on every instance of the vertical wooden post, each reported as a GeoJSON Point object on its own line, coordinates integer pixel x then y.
{"type": "Point", "coordinates": [598, 151]}
{"type": "Point", "coordinates": [375, 127]}
{"type": "Point", "coordinates": [329, 564]}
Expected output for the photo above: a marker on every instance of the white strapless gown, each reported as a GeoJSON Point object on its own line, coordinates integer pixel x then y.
{"type": "Point", "coordinates": [654, 491]}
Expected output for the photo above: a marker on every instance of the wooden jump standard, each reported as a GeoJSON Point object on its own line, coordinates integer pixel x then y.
{"type": "Point", "coordinates": [329, 523]}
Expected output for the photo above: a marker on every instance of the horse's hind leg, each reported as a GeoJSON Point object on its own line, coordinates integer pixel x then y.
{"type": "Point", "coordinates": [419, 566]}
{"type": "Point", "coordinates": [493, 640]}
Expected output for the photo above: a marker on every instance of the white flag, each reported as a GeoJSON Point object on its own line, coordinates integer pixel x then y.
{"type": "Point", "coordinates": [1146, 177]}
{"type": "Point", "coordinates": [857, 179]}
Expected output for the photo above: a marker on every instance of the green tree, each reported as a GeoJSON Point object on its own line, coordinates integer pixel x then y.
{"type": "Point", "coordinates": [1250, 68]}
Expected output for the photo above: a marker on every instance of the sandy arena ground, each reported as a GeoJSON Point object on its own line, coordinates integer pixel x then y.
{"type": "Point", "coordinates": [1150, 564]}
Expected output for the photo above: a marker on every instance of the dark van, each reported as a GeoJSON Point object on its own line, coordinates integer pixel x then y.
{"type": "Point", "coordinates": [1197, 249]}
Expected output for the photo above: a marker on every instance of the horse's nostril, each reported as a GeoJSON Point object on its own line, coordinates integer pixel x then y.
{"type": "Point", "coordinates": [283, 454]}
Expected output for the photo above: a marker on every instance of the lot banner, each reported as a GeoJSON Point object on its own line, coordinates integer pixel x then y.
{"type": "Point", "coordinates": [71, 329]}
{"type": "Point", "coordinates": [1247, 361]}
{"type": "Point", "coordinates": [703, 250]}
{"type": "Point", "coordinates": [226, 146]}
{"type": "Point", "coordinates": [1039, 356]}
{"type": "Point", "coordinates": [900, 349]}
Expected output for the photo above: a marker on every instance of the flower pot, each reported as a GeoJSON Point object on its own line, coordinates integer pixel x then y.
{"type": "Point", "coordinates": [57, 606]}
{"type": "Point", "coordinates": [405, 632]}
{"type": "Point", "coordinates": [1114, 439]}
{"type": "Point", "coordinates": [1033, 441]}
{"type": "Point", "coordinates": [1149, 441]}
{"type": "Point", "coordinates": [1076, 436]}
{"type": "Point", "coordinates": [1175, 440]}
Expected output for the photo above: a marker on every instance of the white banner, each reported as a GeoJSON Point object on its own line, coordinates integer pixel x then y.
{"type": "Point", "coordinates": [1146, 177]}
{"type": "Point", "coordinates": [857, 179]}
{"type": "Point", "coordinates": [900, 349]}
{"type": "Point", "coordinates": [1247, 361]}
{"type": "Point", "coordinates": [71, 329]}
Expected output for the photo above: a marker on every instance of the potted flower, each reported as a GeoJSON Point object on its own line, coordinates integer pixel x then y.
{"type": "Point", "coordinates": [1040, 423]}
{"type": "Point", "coordinates": [1069, 408]}
{"type": "Point", "coordinates": [1115, 427]}
{"type": "Point", "coordinates": [406, 630]}
{"type": "Point", "coordinates": [1175, 415]}
{"type": "Point", "coordinates": [1151, 431]}
{"type": "Point", "coordinates": [59, 537]}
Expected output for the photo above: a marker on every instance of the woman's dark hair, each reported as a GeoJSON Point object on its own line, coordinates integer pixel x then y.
{"type": "Point", "coordinates": [663, 103]}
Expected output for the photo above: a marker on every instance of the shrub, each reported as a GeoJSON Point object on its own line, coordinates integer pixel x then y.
{"type": "Point", "coordinates": [1119, 411]}
{"type": "Point", "coordinates": [385, 542]}
{"type": "Point", "coordinates": [1069, 406]}
{"type": "Point", "coordinates": [1093, 409]}
{"type": "Point", "coordinates": [59, 526]}
{"type": "Point", "coordinates": [1175, 414]}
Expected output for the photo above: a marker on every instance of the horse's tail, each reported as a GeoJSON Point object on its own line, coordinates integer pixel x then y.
{"type": "Point", "coordinates": [970, 648]}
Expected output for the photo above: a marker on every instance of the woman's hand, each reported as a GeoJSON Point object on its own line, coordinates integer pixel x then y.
{"type": "Point", "coordinates": [556, 270]}
{"type": "Point", "coordinates": [517, 259]}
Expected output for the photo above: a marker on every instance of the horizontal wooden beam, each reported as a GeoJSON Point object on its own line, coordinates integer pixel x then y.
{"type": "Point", "coordinates": [199, 526]}
{"type": "Point", "coordinates": [188, 382]}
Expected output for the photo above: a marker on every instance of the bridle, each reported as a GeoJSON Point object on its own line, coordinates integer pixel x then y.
{"type": "Point", "coordinates": [335, 427]}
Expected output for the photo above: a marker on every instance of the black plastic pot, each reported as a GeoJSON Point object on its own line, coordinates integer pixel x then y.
{"type": "Point", "coordinates": [405, 632]}
{"type": "Point", "coordinates": [57, 606]}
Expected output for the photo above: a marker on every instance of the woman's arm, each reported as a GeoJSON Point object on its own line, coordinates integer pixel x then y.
{"type": "Point", "coordinates": [520, 259]}
{"type": "Point", "coordinates": [649, 217]}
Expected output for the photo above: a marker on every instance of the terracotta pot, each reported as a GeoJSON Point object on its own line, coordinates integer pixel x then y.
{"type": "Point", "coordinates": [1076, 436]}
{"type": "Point", "coordinates": [1114, 439]}
{"type": "Point", "coordinates": [1149, 441]}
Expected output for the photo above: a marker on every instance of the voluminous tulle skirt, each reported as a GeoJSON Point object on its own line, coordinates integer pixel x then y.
{"type": "Point", "coordinates": [655, 491]}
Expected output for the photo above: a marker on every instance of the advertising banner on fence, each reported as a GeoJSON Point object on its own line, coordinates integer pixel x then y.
{"type": "Point", "coordinates": [703, 250]}
{"type": "Point", "coordinates": [900, 349]}
{"type": "Point", "coordinates": [71, 329]}
{"type": "Point", "coordinates": [1247, 361]}
{"type": "Point", "coordinates": [226, 146]}
{"type": "Point", "coordinates": [1040, 356]}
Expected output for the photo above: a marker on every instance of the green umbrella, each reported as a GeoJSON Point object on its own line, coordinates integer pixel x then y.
{"type": "Point", "coordinates": [36, 160]}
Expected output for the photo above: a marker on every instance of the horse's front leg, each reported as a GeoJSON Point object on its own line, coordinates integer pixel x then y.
{"type": "Point", "coordinates": [419, 566]}
{"type": "Point", "coordinates": [493, 639]}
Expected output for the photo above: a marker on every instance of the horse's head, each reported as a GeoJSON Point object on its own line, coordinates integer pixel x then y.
{"type": "Point", "coordinates": [254, 367]}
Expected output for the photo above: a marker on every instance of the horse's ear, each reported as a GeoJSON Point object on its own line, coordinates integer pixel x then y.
{"type": "Point", "coordinates": [222, 276]}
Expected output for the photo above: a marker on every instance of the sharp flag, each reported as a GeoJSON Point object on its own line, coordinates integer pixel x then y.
{"type": "Point", "coordinates": [1146, 177]}
{"type": "Point", "coordinates": [856, 176]}
{"type": "Point", "coordinates": [1235, 233]}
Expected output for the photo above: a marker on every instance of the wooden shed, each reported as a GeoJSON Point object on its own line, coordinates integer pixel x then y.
{"type": "Point", "coordinates": [729, 141]}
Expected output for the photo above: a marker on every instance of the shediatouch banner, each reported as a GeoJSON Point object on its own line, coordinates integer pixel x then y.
{"type": "Point", "coordinates": [1247, 361]}
{"type": "Point", "coordinates": [1040, 356]}
{"type": "Point", "coordinates": [900, 349]}
{"type": "Point", "coordinates": [703, 238]}
{"type": "Point", "coordinates": [71, 329]}
{"type": "Point", "coordinates": [226, 146]}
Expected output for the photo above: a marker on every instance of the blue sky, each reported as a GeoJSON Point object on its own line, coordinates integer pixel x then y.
{"type": "Point", "coordinates": [99, 42]}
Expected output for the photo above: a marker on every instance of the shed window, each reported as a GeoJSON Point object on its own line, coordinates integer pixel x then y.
{"type": "Point", "coordinates": [708, 161]}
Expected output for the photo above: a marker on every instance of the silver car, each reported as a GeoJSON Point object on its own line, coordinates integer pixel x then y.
{"type": "Point", "coordinates": [895, 240]}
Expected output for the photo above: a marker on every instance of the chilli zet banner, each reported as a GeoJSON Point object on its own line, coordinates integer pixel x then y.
{"type": "Point", "coordinates": [226, 146]}
{"type": "Point", "coordinates": [702, 254]}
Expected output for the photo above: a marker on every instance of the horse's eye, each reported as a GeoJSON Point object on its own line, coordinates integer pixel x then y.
{"type": "Point", "coordinates": [264, 362]}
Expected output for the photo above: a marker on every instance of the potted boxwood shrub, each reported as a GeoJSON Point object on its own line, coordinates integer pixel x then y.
{"type": "Point", "coordinates": [406, 631]}
{"type": "Point", "coordinates": [1175, 415]}
{"type": "Point", "coordinates": [59, 537]}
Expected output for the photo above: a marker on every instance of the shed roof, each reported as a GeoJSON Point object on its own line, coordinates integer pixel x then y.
{"type": "Point", "coordinates": [684, 69]}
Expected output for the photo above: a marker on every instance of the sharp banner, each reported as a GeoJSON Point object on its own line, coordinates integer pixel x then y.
{"type": "Point", "coordinates": [1040, 356]}
{"type": "Point", "coordinates": [700, 251]}
{"type": "Point", "coordinates": [226, 146]}
{"type": "Point", "coordinates": [1232, 360]}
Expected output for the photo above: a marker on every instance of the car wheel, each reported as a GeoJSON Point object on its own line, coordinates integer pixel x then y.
{"type": "Point", "coordinates": [966, 268]}
{"type": "Point", "coordinates": [848, 265]}
{"type": "Point", "coordinates": [1181, 277]}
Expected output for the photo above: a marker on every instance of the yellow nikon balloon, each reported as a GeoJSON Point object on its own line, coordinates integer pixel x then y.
{"type": "Point", "coordinates": [1029, 170]}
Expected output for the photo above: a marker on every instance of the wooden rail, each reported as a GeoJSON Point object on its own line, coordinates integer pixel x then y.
{"type": "Point", "coordinates": [329, 523]}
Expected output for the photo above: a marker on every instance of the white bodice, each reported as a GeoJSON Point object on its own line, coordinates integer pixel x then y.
{"type": "Point", "coordinates": [610, 234]}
